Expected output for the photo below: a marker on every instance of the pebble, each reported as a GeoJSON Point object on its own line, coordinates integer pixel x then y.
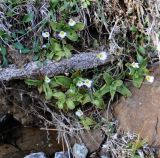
{"type": "Point", "coordinates": [62, 155]}
{"type": "Point", "coordinates": [36, 155]}
{"type": "Point", "coordinates": [80, 151]}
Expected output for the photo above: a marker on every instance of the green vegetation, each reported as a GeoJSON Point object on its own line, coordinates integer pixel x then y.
{"type": "Point", "coordinates": [57, 29]}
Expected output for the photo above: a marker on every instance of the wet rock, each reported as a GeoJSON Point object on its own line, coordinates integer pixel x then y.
{"type": "Point", "coordinates": [36, 155]}
{"type": "Point", "coordinates": [62, 155]}
{"type": "Point", "coordinates": [80, 151]}
{"type": "Point", "coordinates": [141, 112]}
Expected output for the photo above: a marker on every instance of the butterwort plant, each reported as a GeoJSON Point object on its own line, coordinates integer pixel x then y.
{"type": "Point", "coordinates": [64, 32]}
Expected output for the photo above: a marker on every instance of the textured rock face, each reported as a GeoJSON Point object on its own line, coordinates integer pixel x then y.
{"type": "Point", "coordinates": [141, 112]}
{"type": "Point", "coordinates": [33, 140]}
{"type": "Point", "coordinates": [92, 139]}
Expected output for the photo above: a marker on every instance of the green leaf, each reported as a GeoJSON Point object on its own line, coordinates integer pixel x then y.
{"type": "Point", "coordinates": [141, 49]}
{"type": "Point", "coordinates": [28, 17]}
{"type": "Point", "coordinates": [57, 47]}
{"type": "Point", "coordinates": [25, 50]}
{"type": "Point", "coordinates": [67, 52]}
{"type": "Point", "coordinates": [79, 26]}
{"type": "Point", "coordinates": [87, 122]}
{"type": "Point", "coordinates": [137, 82]}
{"type": "Point", "coordinates": [103, 90]}
{"type": "Point", "coordinates": [78, 97]}
{"type": "Point", "coordinates": [53, 83]}
{"type": "Point", "coordinates": [36, 83]}
{"type": "Point", "coordinates": [108, 78]}
{"type": "Point", "coordinates": [63, 81]}
{"type": "Point", "coordinates": [60, 105]}
{"type": "Point", "coordinates": [112, 92]}
{"type": "Point", "coordinates": [59, 95]}
{"type": "Point", "coordinates": [133, 29]}
{"type": "Point", "coordinates": [98, 102]}
{"type": "Point", "coordinates": [18, 45]}
{"type": "Point", "coordinates": [47, 90]}
{"type": "Point", "coordinates": [4, 53]}
{"type": "Point", "coordinates": [139, 58]}
{"type": "Point", "coordinates": [86, 99]}
{"type": "Point", "coordinates": [117, 83]}
{"type": "Point", "coordinates": [70, 104]}
{"type": "Point", "coordinates": [124, 91]}
{"type": "Point", "coordinates": [72, 35]}
{"type": "Point", "coordinates": [56, 26]}
{"type": "Point", "coordinates": [2, 33]}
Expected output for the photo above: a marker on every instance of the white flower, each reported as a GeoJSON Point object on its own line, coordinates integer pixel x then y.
{"type": "Point", "coordinates": [135, 65]}
{"type": "Point", "coordinates": [47, 79]}
{"type": "Point", "coordinates": [44, 46]}
{"type": "Point", "coordinates": [104, 146]}
{"type": "Point", "coordinates": [158, 47]}
{"type": "Point", "coordinates": [62, 34]}
{"type": "Point", "coordinates": [71, 22]}
{"type": "Point", "coordinates": [45, 34]}
{"type": "Point", "coordinates": [102, 56]}
{"type": "Point", "coordinates": [88, 83]}
{"type": "Point", "coordinates": [150, 78]}
{"type": "Point", "coordinates": [79, 113]}
{"type": "Point", "coordinates": [80, 83]}
{"type": "Point", "coordinates": [71, 90]}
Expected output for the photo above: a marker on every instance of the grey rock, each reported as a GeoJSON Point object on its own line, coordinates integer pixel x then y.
{"type": "Point", "coordinates": [61, 155]}
{"type": "Point", "coordinates": [36, 155]}
{"type": "Point", "coordinates": [80, 151]}
{"type": "Point", "coordinates": [103, 156]}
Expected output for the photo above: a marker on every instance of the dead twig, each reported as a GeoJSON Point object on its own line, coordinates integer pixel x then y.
{"type": "Point", "coordinates": [51, 68]}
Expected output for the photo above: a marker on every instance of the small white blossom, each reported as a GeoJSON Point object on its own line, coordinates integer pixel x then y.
{"type": "Point", "coordinates": [62, 34]}
{"type": "Point", "coordinates": [102, 56]}
{"type": "Point", "coordinates": [71, 22]}
{"type": "Point", "coordinates": [71, 90]}
{"type": "Point", "coordinates": [104, 146]}
{"type": "Point", "coordinates": [44, 46]}
{"type": "Point", "coordinates": [88, 83]}
{"type": "Point", "coordinates": [79, 113]}
{"type": "Point", "coordinates": [80, 83]}
{"type": "Point", "coordinates": [45, 34]}
{"type": "Point", "coordinates": [158, 46]}
{"type": "Point", "coordinates": [47, 79]}
{"type": "Point", "coordinates": [150, 78]}
{"type": "Point", "coordinates": [135, 65]}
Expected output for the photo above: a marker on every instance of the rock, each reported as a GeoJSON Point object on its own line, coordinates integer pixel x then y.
{"type": "Point", "coordinates": [92, 139]}
{"type": "Point", "coordinates": [141, 112]}
{"type": "Point", "coordinates": [36, 155]}
{"type": "Point", "coordinates": [80, 151]}
{"type": "Point", "coordinates": [32, 140]}
{"type": "Point", "coordinates": [103, 156]}
{"type": "Point", "coordinates": [10, 130]}
{"type": "Point", "coordinates": [61, 155]}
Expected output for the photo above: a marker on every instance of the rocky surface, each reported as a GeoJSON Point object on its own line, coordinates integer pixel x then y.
{"type": "Point", "coordinates": [141, 112]}
{"type": "Point", "coordinates": [80, 151]}
{"type": "Point", "coordinates": [32, 140]}
{"type": "Point", "coordinates": [92, 139]}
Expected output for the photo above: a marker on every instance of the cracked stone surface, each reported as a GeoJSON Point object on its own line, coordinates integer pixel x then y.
{"type": "Point", "coordinates": [141, 112]}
